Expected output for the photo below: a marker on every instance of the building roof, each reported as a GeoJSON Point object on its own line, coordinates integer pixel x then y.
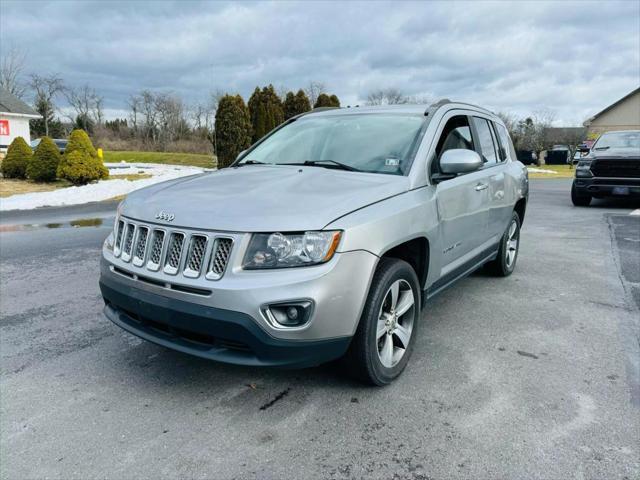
{"type": "Point", "coordinates": [9, 103]}
{"type": "Point", "coordinates": [591, 119]}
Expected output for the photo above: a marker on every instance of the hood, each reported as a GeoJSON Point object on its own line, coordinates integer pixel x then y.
{"type": "Point", "coordinates": [614, 153]}
{"type": "Point", "coordinates": [262, 198]}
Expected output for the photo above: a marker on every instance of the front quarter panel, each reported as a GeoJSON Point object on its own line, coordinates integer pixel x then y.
{"type": "Point", "coordinates": [384, 225]}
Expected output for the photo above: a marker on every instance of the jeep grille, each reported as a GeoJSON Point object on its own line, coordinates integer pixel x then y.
{"type": "Point", "coordinates": [219, 257]}
{"type": "Point", "coordinates": [173, 252]}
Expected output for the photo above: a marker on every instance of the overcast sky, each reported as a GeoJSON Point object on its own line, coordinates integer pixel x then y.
{"type": "Point", "coordinates": [571, 58]}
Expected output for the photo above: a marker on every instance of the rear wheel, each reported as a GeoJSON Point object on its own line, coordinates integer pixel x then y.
{"type": "Point", "coordinates": [386, 333]}
{"type": "Point", "coordinates": [579, 199]}
{"type": "Point", "coordinates": [505, 262]}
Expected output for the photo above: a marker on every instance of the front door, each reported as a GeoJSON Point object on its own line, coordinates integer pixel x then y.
{"type": "Point", "coordinates": [463, 202]}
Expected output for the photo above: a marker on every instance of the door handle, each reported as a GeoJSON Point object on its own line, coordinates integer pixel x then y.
{"type": "Point", "coordinates": [481, 186]}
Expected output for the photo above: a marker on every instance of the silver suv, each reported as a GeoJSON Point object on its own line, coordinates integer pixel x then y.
{"type": "Point", "coordinates": [323, 240]}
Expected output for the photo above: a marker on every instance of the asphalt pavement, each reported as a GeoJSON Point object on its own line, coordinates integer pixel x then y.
{"type": "Point", "coordinates": [534, 376]}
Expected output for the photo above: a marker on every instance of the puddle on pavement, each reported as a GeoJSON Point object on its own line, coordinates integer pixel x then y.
{"type": "Point", "coordinates": [80, 223]}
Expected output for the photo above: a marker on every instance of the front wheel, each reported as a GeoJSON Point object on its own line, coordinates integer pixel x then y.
{"type": "Point", "coordinates": [579, 199]}
{"type": "Point", "coordinates": [386, 333]}
{"type": "Point", "coordinates": [505, 262]}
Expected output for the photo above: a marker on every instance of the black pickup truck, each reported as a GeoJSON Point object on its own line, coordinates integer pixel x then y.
{"type": "Point", "coordinates": [610, 169]}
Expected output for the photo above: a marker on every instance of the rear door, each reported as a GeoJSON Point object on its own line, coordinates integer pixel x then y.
{"type": "Point", "coordinates": [494, 157]}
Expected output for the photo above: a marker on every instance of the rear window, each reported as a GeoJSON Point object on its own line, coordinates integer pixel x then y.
{"type": "Point", "coordinates": [505, 142]}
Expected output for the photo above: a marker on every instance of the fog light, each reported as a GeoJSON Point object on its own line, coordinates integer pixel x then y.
{"type": "Point", "coordinates": [288, 315]}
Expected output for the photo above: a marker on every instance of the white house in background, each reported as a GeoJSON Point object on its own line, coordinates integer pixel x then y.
{"type": "Point", "coordinates": [14, 119]}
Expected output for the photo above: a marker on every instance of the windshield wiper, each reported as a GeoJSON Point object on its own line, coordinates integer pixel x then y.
{"type": "Point", "coordinates": [250, 162]}
{"type": "Point", "coordinates": [603, 148]}
{"type": "Point", "coordinates": [332, 164]}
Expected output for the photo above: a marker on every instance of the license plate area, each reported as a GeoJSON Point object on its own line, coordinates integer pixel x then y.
{"type": "Point", "coordinates": [620, 191]}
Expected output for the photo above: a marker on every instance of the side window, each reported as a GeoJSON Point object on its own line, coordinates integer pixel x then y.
{"type": "Point", "coordinates": [486, 141]}
{"type": "Point", "coordinates": [456, 134]}
{"type": "Point", "coordinates": [505, 142]}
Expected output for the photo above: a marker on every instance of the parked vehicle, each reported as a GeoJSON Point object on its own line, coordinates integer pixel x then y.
{"type": "Point", "coordinates": [61, 143]}
{"type": "Point", "coordinates": [610, 168]}
{"type": "Point", "coordinates": [323, 240]}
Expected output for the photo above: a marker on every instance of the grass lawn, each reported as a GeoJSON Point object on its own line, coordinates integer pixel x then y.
{"type": "Point", "coordinates": [562, 171]}
{"type": "Point", "coordinates": [10, 187]}
{"type": "Point", "coordinates": [192, 159]}
{"type": "Point", "coordinates": [130, 176]}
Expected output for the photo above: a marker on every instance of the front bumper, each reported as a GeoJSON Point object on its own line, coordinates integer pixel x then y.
{"type": "Point", "coordinates": [229, 325]}
{"type": "Point", "coordinates": [606, 187]}
{"type": "Point", "coordinates": [209, 332]}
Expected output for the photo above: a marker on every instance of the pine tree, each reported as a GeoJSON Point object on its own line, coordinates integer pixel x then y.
{"type": "Point", "coordinates": [43, 165]}
{"type": "Point", "coordinates": [266, 111]}
{"type": "Point", "coordinates": [233, 129]}
{"type": "Point", "coordinates": [48, 120]}
{"type": "Point", "coordinates": [18, 156]}
{"type": "Point", "coordinates": [325, 100]}
{"type": "Point", "coordinates": [80, 163]}
{"type": "Point", "coordinates": [295, 104]}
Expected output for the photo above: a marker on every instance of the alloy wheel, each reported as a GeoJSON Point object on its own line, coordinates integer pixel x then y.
{"type": "Point", "coordinates": [512, 244]}
{"type": "Point", "coordinates": [395, 323]}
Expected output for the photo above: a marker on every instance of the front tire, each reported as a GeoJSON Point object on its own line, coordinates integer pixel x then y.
{"type": "Point", "coordinates": [505, 262]}
{"type": "Point", "coordinates": [384, 340]}
{"type": "Point", "coordinates": [579, 199]}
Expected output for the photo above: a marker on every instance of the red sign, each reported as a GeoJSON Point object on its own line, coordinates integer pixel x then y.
{"type": "Point", "coordinates": [4, 128]}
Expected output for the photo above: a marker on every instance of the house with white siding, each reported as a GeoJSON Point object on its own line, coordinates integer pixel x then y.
{"type": "Point", "coordinates": [14, 119]}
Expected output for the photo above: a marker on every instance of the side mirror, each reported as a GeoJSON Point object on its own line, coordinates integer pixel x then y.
{"type": "Point", "coordinates": [460, 160]}
{"type": "Point", "coordinates": [583, 149]}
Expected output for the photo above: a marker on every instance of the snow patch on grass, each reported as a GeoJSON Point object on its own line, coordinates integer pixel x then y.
{"type": "Point", "coordinates": [102, 190]}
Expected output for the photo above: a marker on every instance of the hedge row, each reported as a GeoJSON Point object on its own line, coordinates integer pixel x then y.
{"type": "Point", "coordinates": [80, 163]}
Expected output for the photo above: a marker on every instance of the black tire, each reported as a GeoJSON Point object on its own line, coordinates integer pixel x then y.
{"type": "Point", "coordinates": [579, 199]}
{"type": "Point", "coordinates": [363, 359]}
{"type": "Point", "coordinates": [503, 265]}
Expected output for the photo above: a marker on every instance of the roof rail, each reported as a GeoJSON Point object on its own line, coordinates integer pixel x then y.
{"type": "Point", "coordinates": [321, 109]}
{"type": "Point", "coordinates": [434, 106]}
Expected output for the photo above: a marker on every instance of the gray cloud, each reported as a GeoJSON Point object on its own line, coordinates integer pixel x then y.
{"type": "Point", "coordinates": [572, 58]}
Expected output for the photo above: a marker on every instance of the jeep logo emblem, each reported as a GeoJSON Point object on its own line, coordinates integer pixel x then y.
{"type": "Point", "coordinates": [167, 217]}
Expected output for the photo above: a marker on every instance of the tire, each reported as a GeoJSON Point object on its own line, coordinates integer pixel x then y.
{"type": "Point", "coordinates": [579, 199]}
{"type": "Point", "coordinates": [505, 262]}
{"type": "Point", "coordinates": [371, 358]}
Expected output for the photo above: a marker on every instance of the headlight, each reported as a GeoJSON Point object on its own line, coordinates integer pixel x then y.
{"type": "Point", "coordinates": [583, 169]}
{"type": "Point", "coordinates": [281, 250]}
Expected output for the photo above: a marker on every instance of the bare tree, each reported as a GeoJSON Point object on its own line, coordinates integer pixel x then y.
{"type": "Point", "coordinates": [149, 115]}
{"type": "Point", "coordinates": [170, 115]}
{"type": "Point", "coordinates": [86, 104]}
{"type": "Point", "coordinates": [11, 67]}
{"type": "Point", "coordinates": [532, 132]}
{"type": "Point", "coordinates": [133, 103]}
{"type": "Point", "coordinates": [46, 89]}
{"type": "Point", "coordinates": [418, 99]}
{"type": "Point", "coordinates": [314, 90]}
{"type": "Point", "coordinates": [386, 96]}
{"type": "Point", "coordinates": [204, 117]}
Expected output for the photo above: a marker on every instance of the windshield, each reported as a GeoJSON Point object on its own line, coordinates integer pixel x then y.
{"type": "Point", "coordinates": [629, 139]}
{"type": "Point", "coordinates": [377, 143]}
